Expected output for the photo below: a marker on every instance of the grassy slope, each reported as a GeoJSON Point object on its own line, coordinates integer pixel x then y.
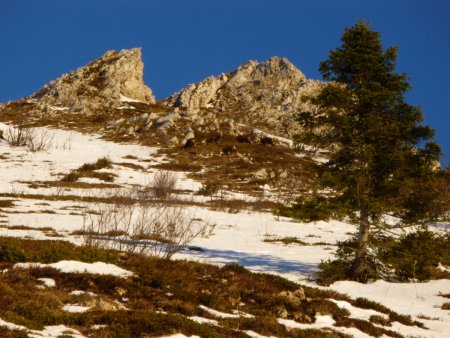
{"type": "Point", "coordinates": [161, 296]}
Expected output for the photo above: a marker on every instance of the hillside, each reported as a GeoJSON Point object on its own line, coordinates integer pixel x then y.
{"type": "Point", "coordinates": [90, 176]}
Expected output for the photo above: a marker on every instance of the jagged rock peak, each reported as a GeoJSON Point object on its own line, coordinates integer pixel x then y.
{"type": "Point", "coordinates": [269, 93]}
{"type": "Point", "coordinates": [100, 83]}
{"type": "Point", "coordinates": [275, 67]}
{"type": "Point", "coordinates": [276, 71]}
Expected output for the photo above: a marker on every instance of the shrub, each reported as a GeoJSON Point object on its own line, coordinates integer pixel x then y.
{"type": "Point", "coordinates": [158, 229]}
{"type": "Point", "coordinates": [32, 138]}
{"type": "Point", "coordinates": [101, 163]}
{"type": "Point", "coordinates": [18, 135]}
{"type": "Point", "coordinates": [340, 268]}
{"type": "Point", "coordinates": [414, 256]}
{"type": "Point", "coordinates": [164, 183]}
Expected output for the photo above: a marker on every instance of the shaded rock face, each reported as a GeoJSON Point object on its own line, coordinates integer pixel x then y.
{"type": "Point", "coordinates": [271, 93]}
{"type": "Point", "coordinates": [100, 83]}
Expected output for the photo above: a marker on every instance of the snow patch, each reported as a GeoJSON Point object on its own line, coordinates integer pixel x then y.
{"type": "Point", "coordinates": [124, 98]}
{"type": "Point", "coordinates": [415, 299]}
{"type": "Point", "coordinates": [202, 320]}
{"type": "Point", "coordinates": [219, 314]}
{"type": "Point", "coordinates": [48, 282]}
{"type": "Point", "coordinates": [59, 108]}
{"type": "Point", "coordinates": [323, 322]}
{"type": "Point", "coordinates": [75, 308]}
{"type": "Point", "coordinates": [320, 323]}
{"type": "Point", "coordinates": [11, 326]}
{"type": "Point", "coordinates": [55, 331]}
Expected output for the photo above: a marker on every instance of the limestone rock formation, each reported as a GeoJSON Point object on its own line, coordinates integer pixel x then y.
{"type": "Point", "coordinates": [116, 76]}
{"type": "Point", "coordinates": [269, 94]}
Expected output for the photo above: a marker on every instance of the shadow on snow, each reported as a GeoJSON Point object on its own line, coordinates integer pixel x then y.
{"type": "Point", "coordinates": [255, 262]}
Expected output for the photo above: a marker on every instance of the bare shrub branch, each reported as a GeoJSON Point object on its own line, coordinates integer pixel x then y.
{"type": "Point", "coordinates": [164, 183]}
{"type": "Point", "coordinates": [18, 135]}
{"type": "Point", "coordinates": [32, 138]}
{"type": "Point", "coordinates": [41, 141]}
{"type": "Point", "coordinates": [158, 229]}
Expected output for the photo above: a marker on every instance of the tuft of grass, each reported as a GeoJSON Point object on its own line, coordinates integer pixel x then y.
{"type": "Point", "coordinates": [88, 170]}
{"type": "Point", "coordinates": [379, 320]}
{"type": "Point", "coordinates": [285, 240]}
{"type": "Point", "coordinates": [6, 203]}
{"type": "Point", "coordinates": [69, 182]}
{"type": "Point", "coordinates": [130, 157]}
{"type": "Point", "coordinates": [365, 303]}
{"type": "Point", "coordinates": [130, 165]}
{"type": "Point", "coordinates": [102, 163]}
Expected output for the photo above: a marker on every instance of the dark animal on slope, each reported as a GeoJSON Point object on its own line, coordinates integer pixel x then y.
{"type": "Point", "coordinates": [214, 138]}
{"type": "Point", "coordinates": [228, 150]}
{"type": "Point", "coordinates": [189, 143]}
{"type": "Point", "coordinates": [243, 139]}
{"type": "Point", "coordinates": [267, 141]}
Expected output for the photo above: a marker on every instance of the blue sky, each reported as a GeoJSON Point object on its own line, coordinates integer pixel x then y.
{"type": "Point", "coordinates": [185, 41]}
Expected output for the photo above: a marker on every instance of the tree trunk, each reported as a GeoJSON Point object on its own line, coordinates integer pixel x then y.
{"type": "Point", "coordinates": [360, 264]}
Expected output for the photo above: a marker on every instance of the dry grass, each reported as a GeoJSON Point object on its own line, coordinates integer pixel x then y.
{"type": "Point", "coordinates": [89, 170]}
{"type": "Point", "coordinates": [133, 166]}
{"type": "Point", "coordinates": [294, 240]}
{"type": "Point", "coordinates": [160, 286]}
{"type": "Point", "coordinates": [6, 203]}
{"type": "Point", "coordinates": [203, 161]}
{"type": "Point", "coordinates": [285, 240]}
{"type": "Point", "coordinates": [68, 184]}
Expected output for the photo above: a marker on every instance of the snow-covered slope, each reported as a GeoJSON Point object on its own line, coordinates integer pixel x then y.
{"type": "Point", "coordinates": [252, 239]}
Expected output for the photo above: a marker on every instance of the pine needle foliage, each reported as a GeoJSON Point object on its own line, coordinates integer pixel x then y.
{"type": "Point", "coordinates": [381, 158]}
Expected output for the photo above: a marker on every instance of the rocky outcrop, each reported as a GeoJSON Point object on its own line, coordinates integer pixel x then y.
{"type": "Point", "coordinates": [201, 94]}
{"type": "Point", "coordinates": [105, 82]}
{"type": "Point", "coordinates": [268, 94]}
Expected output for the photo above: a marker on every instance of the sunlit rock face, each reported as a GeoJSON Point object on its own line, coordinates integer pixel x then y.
{"type": "Point", "coordinates": [269, 93]}
{"type": "Point", "coordinates": [98, 84]}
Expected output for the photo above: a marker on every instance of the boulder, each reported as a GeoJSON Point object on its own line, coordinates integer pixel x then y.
{"type": "Point", "coordinates": [173, 141]}
{"type": "Point", "coordinates": [189, 135]}
{"type": "Point", "coordinates": [293, 299]}
{"type": "Point", "coordinates": [261, 174]}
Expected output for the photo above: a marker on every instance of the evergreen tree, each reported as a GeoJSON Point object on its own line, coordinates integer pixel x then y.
{"type": "Point", "coordinates": [380, 159]}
